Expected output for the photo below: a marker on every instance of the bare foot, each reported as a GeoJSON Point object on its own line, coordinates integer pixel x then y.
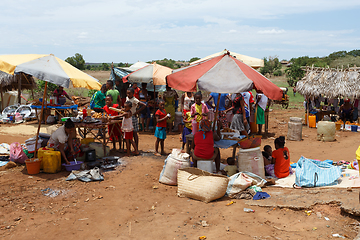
{"type": "Point", "coordinates": [136, 153]}
{"type": "Point", "coordinates": [157, 154]}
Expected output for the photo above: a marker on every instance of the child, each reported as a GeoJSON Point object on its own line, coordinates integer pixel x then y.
{"type": "Point", "coordinates": [160, 131]}
{"type": "Point", "coordinates": [267, 154]}
{"type": "Point", "coordinates": [198, 110]}
{"type": "Point", "coordinates": [280, 166]}
{"type": "Point", "coordinates": [187, 122]}
{"type": "Point", "coordinates": [135, 111]}
{"type": "Point", "coordinates": [145, 115]}
{"type": "Point", "coordinates": [128, 129]}
{"type": "Point", "coordinates": [231, 168]}
{"type": "Point", "coordinates": [114, 129]}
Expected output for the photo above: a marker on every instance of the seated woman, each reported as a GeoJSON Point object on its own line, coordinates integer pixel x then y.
{"type": "Point", "coordinates": [203, 144]}
{"type": "Point", "coordinates": [280, 162]}
{"type": "Point", "coordinates": [64, 140]}
{"type": "Point", "coordinates": [346, 111]}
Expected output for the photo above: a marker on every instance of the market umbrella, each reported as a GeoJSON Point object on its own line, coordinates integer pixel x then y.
{"type": "Point", "coordinates": [151, 74]}
{"type": "Point", "coordinates": [135, 66]}
{"type": "Point", "coordinates": [50, 69]}
{"type": "Point", "coordinates": [251, 61]}
{"type": "Point", "coordinates": [222, 74]}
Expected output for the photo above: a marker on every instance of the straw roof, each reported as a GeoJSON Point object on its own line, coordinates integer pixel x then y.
{"type": "Point", "coordinates": [9, 82]}
{"type": "Point", "coordinates": [330, 82]}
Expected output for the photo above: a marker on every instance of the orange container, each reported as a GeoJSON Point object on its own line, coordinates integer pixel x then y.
{"type": "Point", "coordinates": [312, 121]}
{"type": "Point", "coordinates": [338, 126]}
{"type": "Point", "coordinates": [33, 165]}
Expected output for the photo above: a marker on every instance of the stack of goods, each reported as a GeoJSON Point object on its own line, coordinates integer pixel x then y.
{"type": "Point", "coordinates": [229, 134]}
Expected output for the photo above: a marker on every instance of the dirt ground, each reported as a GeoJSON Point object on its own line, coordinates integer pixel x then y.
{"type": "Point", "coordinates": [132, 204]}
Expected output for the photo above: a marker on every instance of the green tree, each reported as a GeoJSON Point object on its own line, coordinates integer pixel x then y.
{"type": "Point", "coordinates": [270, 66]}
{"type": "Point", "coordinates": [105, 67]}
{"type": "Point", "coordinates": [77, 61]}
{"type": "Point", "coordinates": [194, 59]}
{"type": "Point", "coordinates": [293, 74]}
{"type": "Point", "coordinates": [354, 53]}
{"type": "Point", "coordinates": [338, 54]}
{"type": "Point", "coordinates": [40, 86]}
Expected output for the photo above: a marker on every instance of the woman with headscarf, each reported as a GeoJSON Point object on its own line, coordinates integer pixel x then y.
{"type": "Point", "coordinates": [203, 144]}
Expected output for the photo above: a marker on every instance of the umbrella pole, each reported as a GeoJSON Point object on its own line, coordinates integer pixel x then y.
{"type": "Point", "coordinates": [41, 118]}
{"type": "Point", "coordinates": [2, 99]}
{"type": "Point", "coordinates": [19, 89]}
{"type": "Point", "coordinates": [217, 110]}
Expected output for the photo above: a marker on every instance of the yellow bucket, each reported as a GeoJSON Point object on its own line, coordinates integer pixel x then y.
{"type": "Point", "coordinates": [52, 161]}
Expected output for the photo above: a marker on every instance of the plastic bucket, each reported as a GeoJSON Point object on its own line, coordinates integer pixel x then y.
{"type": "Point", "coordinates": [205, 165]}
{"type": "Point", "coordinates": [33, 165]}
{"type": "Point", "coordinates": [354, 128]}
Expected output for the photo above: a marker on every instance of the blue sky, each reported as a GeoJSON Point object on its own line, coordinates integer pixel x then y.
{"type": "Point", "coordinates": [138, 30]}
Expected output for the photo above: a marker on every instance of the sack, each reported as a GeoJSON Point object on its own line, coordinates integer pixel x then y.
{"type": "Point", "coordinates": [17, 154]}
{"type": "Point", "coordinates": [201, 185]}
{"type": "Point", "coordinates": [241, 181]}
{"type": "Point", "coordinates": [30, 144]}
{"type": "Point", "coordinates": [311, 173]}
{"type": "Point", "coordinates": [173, 163]}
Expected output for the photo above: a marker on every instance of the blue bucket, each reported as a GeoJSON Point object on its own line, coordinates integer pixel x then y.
{"type": "Point", "coordinates": [354, 128]}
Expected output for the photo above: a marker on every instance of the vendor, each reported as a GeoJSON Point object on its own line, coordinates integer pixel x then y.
{"type": "Point", "coordinates": [60, 93]}
{"type": "Point", "coordinates": [346, 111]}
{"type": "Point", "coordinates": [99, 97]}
{"type": "Point", "coordinates": [63, 140]}
{"type": "Point", "coordinates": [203, 144]}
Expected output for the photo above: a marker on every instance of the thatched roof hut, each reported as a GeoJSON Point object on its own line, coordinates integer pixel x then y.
{"type": "Point", "coordinates": [10, 82]}
{"type": "Point", "coordinates": [331, 83]}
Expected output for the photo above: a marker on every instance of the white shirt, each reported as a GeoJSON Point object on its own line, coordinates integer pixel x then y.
{"type": "Point", "coordinates": [59, 136]}
{"type": "Point", "coordinates": [135, 103]}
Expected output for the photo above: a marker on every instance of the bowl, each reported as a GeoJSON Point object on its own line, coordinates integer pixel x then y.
{"type": "Point", "coordinates": [72, 166]}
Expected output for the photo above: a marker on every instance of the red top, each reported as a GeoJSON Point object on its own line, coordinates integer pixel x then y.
{"type": "Point", "coordinates": [161, 115]}
{"type": "Point", "coordinates": [204, 148]}
{"type": "Point", "coordinates": [137, 93]}
{"type": "Point", "coordinates": [111, 112]}
{"type": "Point", "coordinates": [282, 162]}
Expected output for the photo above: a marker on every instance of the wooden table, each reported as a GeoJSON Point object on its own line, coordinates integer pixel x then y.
{"type": "Point", "coordinates": [88, 128]}
{"type": "Point", "coordinates": [190, 138]}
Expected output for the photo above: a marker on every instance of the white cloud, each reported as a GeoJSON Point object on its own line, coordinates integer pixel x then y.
{"type": "Point", "coordinates": [133, 29]}
{"type": "Point", "coordinates": [271, 31]}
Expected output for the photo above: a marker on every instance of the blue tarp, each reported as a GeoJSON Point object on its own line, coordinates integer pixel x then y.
{"type": "Point", "coordinates": [56, 107]}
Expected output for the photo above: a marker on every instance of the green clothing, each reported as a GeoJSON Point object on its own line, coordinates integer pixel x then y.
{"type": "Point", "coordinates": [260, 115]}
{"type": "Point", "coordinates": [115, 94]}
{"type": "Point", "coordinates": [99, 99]}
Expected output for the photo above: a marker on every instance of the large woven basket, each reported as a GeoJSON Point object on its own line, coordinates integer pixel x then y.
{"type": "Point", "coordinates": [250, 142]}
{"type": "Point", "coordinates": [201, 185]}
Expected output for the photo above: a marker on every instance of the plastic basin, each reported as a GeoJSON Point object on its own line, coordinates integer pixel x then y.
{"type": "Point", "coordinates": [33, 165]}
{"type": "Point", "coordinates": [72, 166]}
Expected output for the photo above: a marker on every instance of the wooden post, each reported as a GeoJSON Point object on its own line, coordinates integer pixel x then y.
{"type": "Point", "coordinates": [41, 118]}
{"type": "Point", "coordinates": [2, 99]}
{"type": "Point", "coordinates": [217, 110]}
{"type": "Point", "coordinates": [19, 89]}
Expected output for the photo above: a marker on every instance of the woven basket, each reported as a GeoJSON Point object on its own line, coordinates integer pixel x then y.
{"type": "Point", "coordinates": [250, 142]}
{"type": "Point", "coordinates": [201, 185]}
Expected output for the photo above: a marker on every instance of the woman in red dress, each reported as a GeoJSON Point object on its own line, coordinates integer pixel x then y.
{"type": "Point", "coordinates": [114, 129]}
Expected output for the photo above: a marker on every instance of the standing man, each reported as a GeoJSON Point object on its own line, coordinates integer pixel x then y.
{"type": "Point", "coordinates": [135, 111]}
{"type": "Point", "coordinates": [261, 103]}
{"type": "Point", "coordinates": [122, 88]}
{"type": "Point", "coordinates": [113, 92]}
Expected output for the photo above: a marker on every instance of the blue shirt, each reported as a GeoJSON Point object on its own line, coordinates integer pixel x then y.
{"type": "Point", "coordinates": [222, 100]}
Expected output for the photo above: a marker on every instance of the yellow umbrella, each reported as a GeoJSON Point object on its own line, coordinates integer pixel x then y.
{"type": "Point", "coordinates": [48, 68]}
